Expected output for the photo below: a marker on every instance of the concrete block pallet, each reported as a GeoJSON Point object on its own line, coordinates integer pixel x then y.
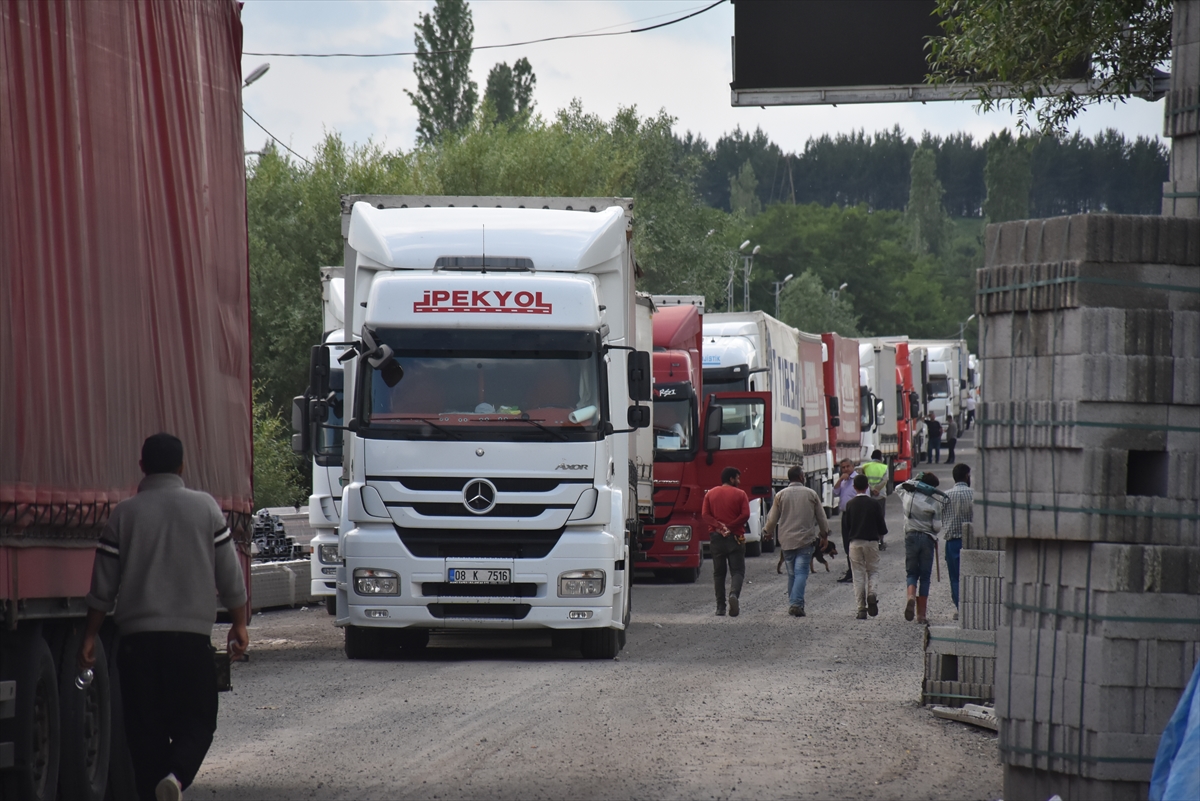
{"type": "Point", "coordinates": [1172, 473]}
{"type": "Point", "coordinates": [279, 584]}
{"type": "Point", "coordinates": [979, 602]}
{"type": "Point", "coordinates": [1072, 425]}
{"type": "Point", "coordinates": [1100, 238]}
{"type": "Point", "coordinates": [1094, 378]}
{"type": "Point", "coordinates": [1092, 331]}
{"type": "Point", "coordinates": [1026, 783]}
{"type": "Point", "coordinates": [1106, 567]}
{"type": "Point", "coordinates": [1113, 518]}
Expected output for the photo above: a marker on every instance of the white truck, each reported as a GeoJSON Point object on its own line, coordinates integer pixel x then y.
{"type": "Point", "coordinates": [493, 394]}
{"type": "Point", "coordinates": [880, 399]}
{"type": "Point", "coordinates": [753, 351]}
{"type": "Point", "coordinates": [944, 378]}
{"type": "Point", "coordinates": [325, 448]}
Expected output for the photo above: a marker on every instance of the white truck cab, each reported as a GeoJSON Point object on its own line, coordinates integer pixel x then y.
{"type": "Point", "coordinates": [491, 404]}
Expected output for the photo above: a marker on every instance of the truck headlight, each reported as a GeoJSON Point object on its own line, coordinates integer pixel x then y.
{"type": "Point", "coordinates": [370, 581]}
{"type": "Point", "coordinates": [328, 554]}
{"type": "Point", "coordinates": [677, 534]}
{"type": "Point", "coordinates": [581, 583]}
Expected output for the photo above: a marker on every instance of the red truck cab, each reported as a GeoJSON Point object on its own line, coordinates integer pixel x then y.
{"type": "Point", "coordinates": [906, 414]}
{"type": "Point", "coordinates": [695, 438]}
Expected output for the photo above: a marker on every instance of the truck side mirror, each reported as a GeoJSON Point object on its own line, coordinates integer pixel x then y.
{"type": "Point", "coordinates": [318, 385]}
{"type": "Point", "coordinates": [638, 417]}
{"type": "Point", "coordinates": [301, 439]}
{"type": "Point", "coordinates": [914, 405]}
{"type": "Point", "coordinates": [639, 376]}
{"type": "Point", "coordinates": [712, 428]}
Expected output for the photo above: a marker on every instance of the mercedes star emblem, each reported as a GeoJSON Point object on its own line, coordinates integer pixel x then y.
{"type": "Point", "coordinates": [479, 496]}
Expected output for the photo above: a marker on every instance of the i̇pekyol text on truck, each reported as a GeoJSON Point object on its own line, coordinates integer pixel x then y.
{"type": "Point", "coordinates": [493, 394]}
{"type": "Point", "coordinates": [124, 311]}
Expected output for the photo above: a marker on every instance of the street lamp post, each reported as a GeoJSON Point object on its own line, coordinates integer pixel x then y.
{"type": "Point", "coordinates": [732, 273]}
{"type": "Point", "coordinates": [962, 327]}
{"type": "Point", "coordinates": [833, 293]}
{"type": "Point", "coordinates": [779, 286]}
{"type": "Point", "coordinates": [747, 266]}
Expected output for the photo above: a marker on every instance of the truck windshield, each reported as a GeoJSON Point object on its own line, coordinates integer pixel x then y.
{"type": "Point", "coordinates": [939, 388]}
{"type": "Point", "coordinates": [727, 384]}
{"type": "Point", "coordinates": [674, 427]}
{"type": "Point", "coordinates": [489, 385]}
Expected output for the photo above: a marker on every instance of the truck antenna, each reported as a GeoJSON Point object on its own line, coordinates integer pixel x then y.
{"type": "Point", "coordinates": [483, 252]}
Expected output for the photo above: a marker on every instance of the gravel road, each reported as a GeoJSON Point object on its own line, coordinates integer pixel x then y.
{"type": "Point", "coordinates": [697, 706]}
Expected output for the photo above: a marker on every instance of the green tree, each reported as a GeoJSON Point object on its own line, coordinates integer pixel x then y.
{"type": "Point", "coordinates": [510, 89]}
{"type": "Point", "coordinates": [925, 213]}
{"type": "Point", "coordinates": [807, 304]}
{"type": "Point", "coordinates": [278, 480]}
{"type": "Point", "coordinates": [1008, 178]}
{"type": "Point", "coordinates": [446, 95]}
{"type": "Point", "coordinates": [743, 192]}
{"type": "Point", "coordinates": [1020, 52]}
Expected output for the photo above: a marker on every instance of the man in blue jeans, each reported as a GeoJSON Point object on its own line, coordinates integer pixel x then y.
{"type": "Point", "coordinates": [959, 510]}
{"type": "Point", "coordinates": [800, 519]}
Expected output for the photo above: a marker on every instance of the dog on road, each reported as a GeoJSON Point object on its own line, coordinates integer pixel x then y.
{"type": "Point", "coordinates": [819, 555]}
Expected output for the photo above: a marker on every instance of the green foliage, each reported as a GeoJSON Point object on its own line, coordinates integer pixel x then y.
{"type": "Point", "coordinates": [1030, 47]}
{"type": "Point", "coordinates": [925, 214]}
{"type": "Point", "coordinates": [808, 305]}
{"type": "Point", "coordinates": [1008, 178]}
{"type": "Point", "coordinates": [510, 89]}
{"type": "Point", "coordinates": [277, 477]}
{"type": "Point", "coordinates": [446, 95]}
{"type": "Point", "coordinates": [743, 192]}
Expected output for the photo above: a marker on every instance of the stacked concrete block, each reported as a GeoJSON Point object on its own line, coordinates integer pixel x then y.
{"type": "Point", "coordinates": [280, 584]}
{"type": "Point", "coordinates": [1090, 472]}
{"type": "Point", "coordinates": [960, 661]}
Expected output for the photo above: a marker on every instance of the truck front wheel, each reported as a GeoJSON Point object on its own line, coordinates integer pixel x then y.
{"type": "Point", "coordinates": [86, 727]}
{"type": "Point", "coordinates": [362, 643]}
{"type": "Point", "coordinates": [600, 644]}
{"type": "Point", "coordinates": [331, 604]}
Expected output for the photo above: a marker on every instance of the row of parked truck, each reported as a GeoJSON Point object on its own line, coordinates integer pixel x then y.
{"type": "Point", "coordinates": [501, 440]}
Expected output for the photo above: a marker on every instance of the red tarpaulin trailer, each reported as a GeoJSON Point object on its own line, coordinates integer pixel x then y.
{"type": "Point", "coordinates": [124, 311]}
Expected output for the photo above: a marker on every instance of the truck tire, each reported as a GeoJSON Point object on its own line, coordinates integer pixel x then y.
{"type": "Point", "coordinates": [363, 643]}
{"type": "Point", "coordinates": [86, 715]}
{"type": "Point", "coordinates": [331, 604]}
{"type": "Point", "coordinates": [754, 549]}
{"type": "Point", "coordinates": [36, 725]}
{"type": "Point", "coordinates": [600, 644]}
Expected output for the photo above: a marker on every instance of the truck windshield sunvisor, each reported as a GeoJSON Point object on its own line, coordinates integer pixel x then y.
{"type": "Point", "coordinates": [473, 384]}
{"type": "Point", "coordinates": [727, 379]}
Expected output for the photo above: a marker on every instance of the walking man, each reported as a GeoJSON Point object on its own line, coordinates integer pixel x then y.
{"type": "Point", "coordinates": [864, 520]}
{"type": "Point", "coordinates": [951, 437]}
{"type": "Point", "coordinates": [726, 510]}
{"type": "Point", "coordinates": [934, 430]}
{"type": "Point", "coordinates": [922, 503]}
{"type": "Point", "coordinates": [800, 518]}
{"type": "Point", "coordinates": [877, 474]}
{"type": "Point", "coordinates": [959, 510]}
{"type": "Point", "coordinates": [970, 410]}
{"type": "Point", "coordinates": [165, 555]}
{"type": "Point", "coordinates": [843, 489]}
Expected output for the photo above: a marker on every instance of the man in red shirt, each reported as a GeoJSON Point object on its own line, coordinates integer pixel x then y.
{"type": "Point", "coordinates": [726, 510]}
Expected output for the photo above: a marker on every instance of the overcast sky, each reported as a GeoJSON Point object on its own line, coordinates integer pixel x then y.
{"type": "Point", "coordinates": [683, 68]}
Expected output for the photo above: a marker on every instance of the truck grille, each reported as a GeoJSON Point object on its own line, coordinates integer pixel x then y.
{"type": "Point", "coordinates": [499, 510]}
{"type": "Point", "coordinates": [449, 589]}
{"type": "Point", "coordinates": [434, 543]}
{"type": "Point", "coordinates": [491, 611]}
{"type": "Point", "coordinates": [456, 483]}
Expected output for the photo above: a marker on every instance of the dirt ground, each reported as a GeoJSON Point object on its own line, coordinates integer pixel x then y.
{"type": "Point", "coordinates": [697, 706]}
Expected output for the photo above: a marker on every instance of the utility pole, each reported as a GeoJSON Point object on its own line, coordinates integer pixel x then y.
{"type": "Point", "coordinates": [747, 266]}
{"type": "Point", "coordinates": [732, 273]}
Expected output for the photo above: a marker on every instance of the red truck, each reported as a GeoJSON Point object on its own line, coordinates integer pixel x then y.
{"type": "Point", "coordinates": [842, 397]}
{"type": "Point", "coordinates": [696, 436]}
{"type": "Point", "coordinates": [124, 311]}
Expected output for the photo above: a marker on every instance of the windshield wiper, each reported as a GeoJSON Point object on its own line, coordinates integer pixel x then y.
{"type": "Point", "coordinates": [429, 422]}
{"type": "Point", "coordinates": [526, 419]}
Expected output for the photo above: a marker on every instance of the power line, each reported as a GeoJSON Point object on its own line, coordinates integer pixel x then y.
{"type": "Point", "coordinates": [490, 47]}
{"type": "Point", "coordinates": [275, 138]}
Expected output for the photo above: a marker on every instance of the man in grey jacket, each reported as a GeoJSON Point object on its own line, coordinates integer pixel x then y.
{"type": "Point", "coordinates": [798, 513]}
{"type": "Point", "coordinates": [159, 559]}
